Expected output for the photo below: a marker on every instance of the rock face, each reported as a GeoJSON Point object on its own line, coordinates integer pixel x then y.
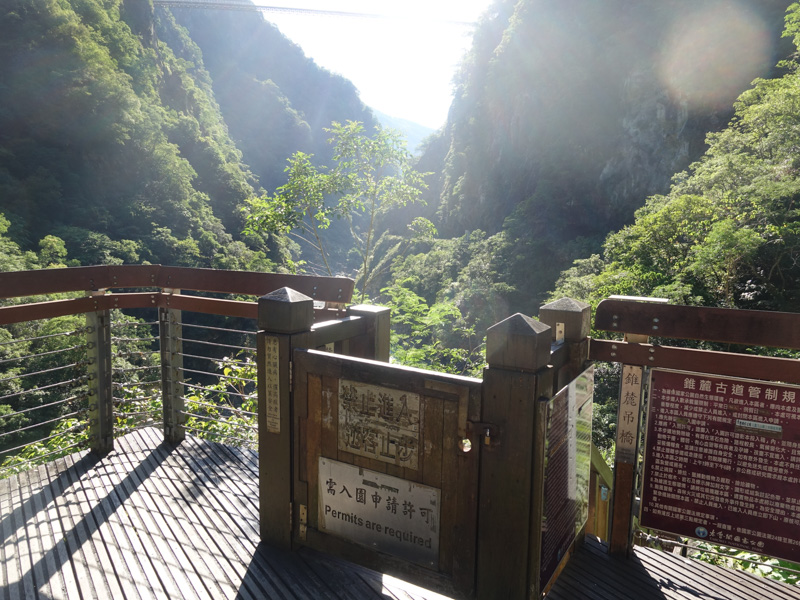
{"type": "Point", "coordinates": [576, 111]}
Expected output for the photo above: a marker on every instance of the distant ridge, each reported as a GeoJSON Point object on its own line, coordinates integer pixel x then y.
{"type": "Point", "coordinates": [414, 133]}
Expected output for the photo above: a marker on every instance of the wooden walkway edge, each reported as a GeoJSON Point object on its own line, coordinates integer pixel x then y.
{"type": "Point", "coordinates": [153, 520]}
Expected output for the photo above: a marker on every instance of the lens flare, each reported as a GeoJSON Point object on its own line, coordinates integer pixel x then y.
{"type": "Point", "coordinates": [712, 54]}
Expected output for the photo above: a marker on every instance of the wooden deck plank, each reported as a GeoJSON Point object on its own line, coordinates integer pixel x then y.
{"type": "Point", "coordinates": [51, 579]}
{"type": "Point", "coordinates": [155, 535]}
{"type": "Point", "coordinates": [200, 544]}
{"type": "Point", "coordinates": [153, 520]}
{"type": "Point", "coordinates": [238, 508]}
{"type": "Point", "coordinates": [650, 573]}
{"type": "Point", "coordinates": [118, 529]}
{"type": "Point", "coordinates": [62, 474]}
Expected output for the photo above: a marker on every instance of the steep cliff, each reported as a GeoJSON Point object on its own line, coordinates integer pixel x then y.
{"type": "Point", "coordinates": [584, 108]}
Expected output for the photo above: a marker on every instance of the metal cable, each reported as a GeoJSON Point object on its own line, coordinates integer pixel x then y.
{"type": "Point", "coordinates": [217, 375]}
{"type": "Point", "coordinates": [59, 418]}
{"type": "Point", "coordinates": [199, 387]}
{"type": "Point", "coordinates": [126, 339]}
{"type": "Point", "coordinates": [217, 360]}
{"type": "Point", "coordinates": [48, 353]}
{"type": "Point", "coordinates": [44, 337]}
{"type": "Point", "coordinates": [57, 403]}
{"type": "Point", "coordinates": [244, 331]}
{"type": "Point", "coordinates": [216, 344]}
{"type": "Point", "coordinates": [41, 456]}
{"type": "Point", "coordinates": [125, 385]}
{"type": "Point", "coordinates": [118, 324]}
{"type": "Point", "coordinates": [61, 368]}
{"type": "Point", "coordinates": [55, 435]}
{"type": "Point", "coordinates": [136, 414]}
{"type": "Point", "coordinates": [213, 420]}
{"type": "Point", "coordinates": [44, 387]}
{"type": "Point", "coordinates": [229, 408]}
{"type": "Point", "coordinates": [133, 369]}
{"type": "Point", "coordinates": [118, 401]}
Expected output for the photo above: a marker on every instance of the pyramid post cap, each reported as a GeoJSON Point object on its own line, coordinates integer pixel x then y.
{"type": "Point", "coordinates": [285, 311]}
{"type": "Point", "coordinates": [574, 314]}
{"type": "Point", "coordinates": [519, 343]}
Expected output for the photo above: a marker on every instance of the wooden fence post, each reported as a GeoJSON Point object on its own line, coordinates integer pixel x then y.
{"type": "Point", "coordinates": [284, 316]}
{"type": "Point", "coordinates": [101, 400]}
{"type": "Point", "coordinates": [570, 322]}
{"type": "Point", "coordinates": [515, 384]}
{"type": "Point", "coordinates": [374, 344]}
{"type": "Point", "coordinates": [171, 332]}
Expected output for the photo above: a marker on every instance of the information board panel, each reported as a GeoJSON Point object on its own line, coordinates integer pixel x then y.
{"type": "Point", "coordinates": [386, 513]}
{"type": "Point", "coordinates": [568, 457]}
{"type": "Point", "coordinates": [722, 461]}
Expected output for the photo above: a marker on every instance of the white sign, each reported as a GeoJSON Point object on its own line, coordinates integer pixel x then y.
{"type": "Point", "coordinates": [386, 513]}
{"type": "Point", "coordinates": [379, 423]}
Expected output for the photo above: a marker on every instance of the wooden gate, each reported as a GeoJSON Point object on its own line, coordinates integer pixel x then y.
{"type": "Point", "coordinates": [385, 462]}
{"type": "Point", "coordinates": [432, 477]}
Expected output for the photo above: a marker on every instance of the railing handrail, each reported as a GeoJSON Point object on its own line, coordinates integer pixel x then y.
{"type": "Point", "coordinates": [704, 323]}
{"type": "Point", "coordinates": [16, 284]}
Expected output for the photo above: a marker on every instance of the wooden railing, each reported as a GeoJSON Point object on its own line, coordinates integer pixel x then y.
{"type": "Point", "coordinates": [169, 291]}
{"type": "Point", "coordinates": [486, 455]}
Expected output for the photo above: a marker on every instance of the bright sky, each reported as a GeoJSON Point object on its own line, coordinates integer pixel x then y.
{"type": "Point", "coordinates": [402, 66]}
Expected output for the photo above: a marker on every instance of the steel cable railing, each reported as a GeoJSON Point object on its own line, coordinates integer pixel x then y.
{"type": "Point", "coordinates": [79, 364]}
{"type": "Point", "coordinates": [219, 405]}
{"type": "Point", "coordinates": [36, 372]}
{"type": "Point", "coordinates": [139, 385]}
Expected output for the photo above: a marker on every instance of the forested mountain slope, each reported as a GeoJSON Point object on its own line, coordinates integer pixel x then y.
{"type": "Point", "coordinates": [728, 231]}
{"type": "Point", "coordinates": [567, 115]}
{"type": "Point", "coordinates": [112, 135]}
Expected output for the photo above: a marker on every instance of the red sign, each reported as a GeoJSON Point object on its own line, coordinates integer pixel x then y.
{"type": "Point", "coordinates": [722, 462]}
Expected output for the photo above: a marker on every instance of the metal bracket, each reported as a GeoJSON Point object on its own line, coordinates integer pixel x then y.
{"type": "Point", "coordinates": [303, 525]}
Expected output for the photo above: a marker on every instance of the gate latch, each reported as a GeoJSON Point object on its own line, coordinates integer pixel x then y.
{"type": "Point", "coordinates": [488, 432]}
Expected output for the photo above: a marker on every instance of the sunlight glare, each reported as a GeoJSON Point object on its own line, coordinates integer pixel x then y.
{"type": "Point", "coordinates": [714, 52]}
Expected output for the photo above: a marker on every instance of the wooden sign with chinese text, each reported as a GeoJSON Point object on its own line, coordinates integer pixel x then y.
{"type": "Point", "coordinates": [273, 389]}
{"type": "Point", "coordinates": [363, 424]}
{"type": "Point", "coordinates": [380, 423]}
{"type": "Point", "coordinates": [722, 461]}
{"type": "Point", "coordinates": [628, 425]}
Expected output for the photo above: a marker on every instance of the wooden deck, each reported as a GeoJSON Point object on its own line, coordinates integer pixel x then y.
{"type": "Point", "coordinates": [151, 520]}
{"type": "Point", "coordinates": [653, 574]}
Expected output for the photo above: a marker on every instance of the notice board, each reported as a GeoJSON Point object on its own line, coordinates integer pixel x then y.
{"type": "Point", "coordinates": [722, 461]}
{"type": "Point", "coordinates": [568, 456]}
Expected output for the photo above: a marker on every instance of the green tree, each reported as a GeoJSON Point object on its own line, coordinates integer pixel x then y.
{"type": "Point", "coordinates": [370, 176]}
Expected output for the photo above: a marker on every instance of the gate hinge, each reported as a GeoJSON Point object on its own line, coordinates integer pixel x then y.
{"type": "Point", "coordinates": [291, 377]}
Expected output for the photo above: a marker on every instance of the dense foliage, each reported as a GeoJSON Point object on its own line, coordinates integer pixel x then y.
{"type": "Point", "coordinates": [728, 232]}
{"type": "Point", "coordinates": [113, 140]}
{"type": "Point", "coordinates": [564, 121]}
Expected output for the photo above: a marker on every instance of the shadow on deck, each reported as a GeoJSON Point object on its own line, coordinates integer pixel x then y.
{"type": "Point", "coordinates": [151, 520]}
{"type": "Point", "coordinates": [653, 574]}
